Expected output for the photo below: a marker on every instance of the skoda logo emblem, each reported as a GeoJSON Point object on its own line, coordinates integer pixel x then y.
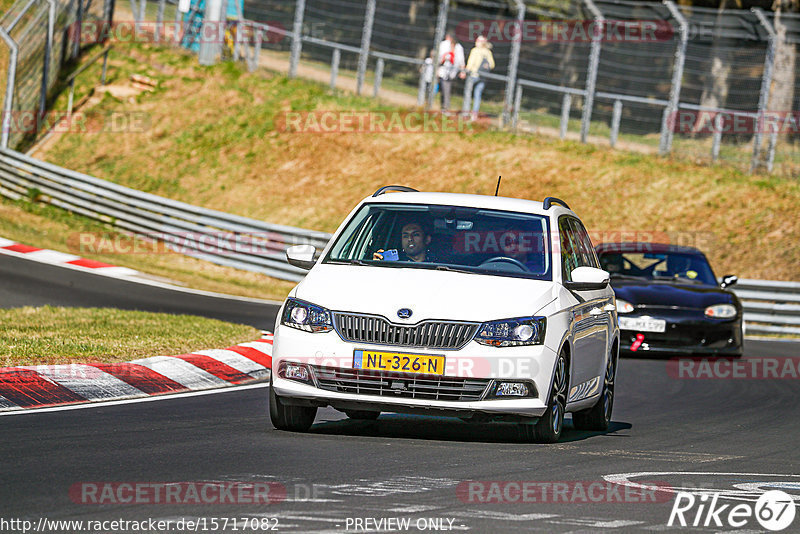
{"type": "Point", "coordinates": [404, 313]}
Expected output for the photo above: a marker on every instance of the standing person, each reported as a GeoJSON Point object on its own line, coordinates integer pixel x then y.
{"type": "Point", "coordinates": [451, 64]}
{"type": "Point", "coordinates": [427, 69]}
{"type": "Point", "coordinates": [480, 62]}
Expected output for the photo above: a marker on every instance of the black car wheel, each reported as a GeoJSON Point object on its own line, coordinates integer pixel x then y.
{"type": "Point", "coordinates": [287, 417]}
{"type": "Point", "coordinates": [549, 426]}
{"type": "Point", "coordinates": [598, 416]}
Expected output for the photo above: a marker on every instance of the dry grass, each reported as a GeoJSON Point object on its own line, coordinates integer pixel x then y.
{"type": "Point", "coordinates": [212, 142]}
{"type": "Point", "coordinates": [51, 335]}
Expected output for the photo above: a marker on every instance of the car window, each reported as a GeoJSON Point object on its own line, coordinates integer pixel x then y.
{"type": "Point", "coordinates": [464, 238]}
{"type": "Point", "coordinates": [570, 249]}
{"type": "Point", "coordinates": [674, 266]}
{"type": "Point", "coordinates": [587, 253]}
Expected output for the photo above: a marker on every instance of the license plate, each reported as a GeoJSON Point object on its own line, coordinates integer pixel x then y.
{"type": "Point", "coordinates": [643, 324]}
{"type": "Point", "coordinates": [399, 362]}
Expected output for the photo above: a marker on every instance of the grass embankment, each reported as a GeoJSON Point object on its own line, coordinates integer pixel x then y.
{"type": "Point", "coordinates": [212, 141]}
{"type": "Point", "coordinates": [52, 335]}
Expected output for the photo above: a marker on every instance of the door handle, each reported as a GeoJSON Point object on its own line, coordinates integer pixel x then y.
{"type": "Point", "coordinates": [596, 311]}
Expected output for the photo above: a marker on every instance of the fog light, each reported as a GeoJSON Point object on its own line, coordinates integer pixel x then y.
{"type": "Point", "coordinates": [512, 389]}
{"type": "Point", "coordinates": [294, 371]}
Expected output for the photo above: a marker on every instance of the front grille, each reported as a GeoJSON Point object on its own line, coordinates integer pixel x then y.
{"type": "Point", "coordinates": [385, 384]}
{"type": "Point", "coordinates": [429, 334]}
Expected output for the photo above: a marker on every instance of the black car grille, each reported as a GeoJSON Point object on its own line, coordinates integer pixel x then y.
{"type": "Point", "coordinates": [386, 384]}
{"type": "Point", "coordinates": [429, 334]}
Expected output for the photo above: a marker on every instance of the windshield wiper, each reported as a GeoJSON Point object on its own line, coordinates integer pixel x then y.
{"type": "Point", "coordinates": [454, 270]}
{"type": "Point", "coordinates": [628, 276]}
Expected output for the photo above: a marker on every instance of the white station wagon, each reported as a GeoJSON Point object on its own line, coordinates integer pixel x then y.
{"type": "Point", "coordinates": [478, 307]}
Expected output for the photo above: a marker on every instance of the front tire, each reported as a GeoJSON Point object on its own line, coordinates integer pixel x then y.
{"type": "Point", "coordinates": [550, 425]}
{"type": "Point", "coordinates": [598, 417]}
{"type": "Point", "coordinates": [287, 417]}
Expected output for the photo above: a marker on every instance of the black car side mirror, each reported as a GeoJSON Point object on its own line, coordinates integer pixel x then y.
{"type": "Point", "coordinates": [728, 280]}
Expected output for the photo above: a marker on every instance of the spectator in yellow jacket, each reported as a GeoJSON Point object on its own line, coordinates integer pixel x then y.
{"type": "Point", "coordinates": [479, 63]}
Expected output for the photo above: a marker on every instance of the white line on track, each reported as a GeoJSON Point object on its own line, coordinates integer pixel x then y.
{"type": "Point", "coordinates": [155, 398]}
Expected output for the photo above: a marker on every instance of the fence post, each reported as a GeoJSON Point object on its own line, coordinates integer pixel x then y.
{"type": "Point", "coordinates": [76, 44]}
{"type": "Point", "coordinates": [716, 139]}
{"type": "Point", "coordinates": [591, 75]}
{"type": "Point", "coordinates": [513, 62]}
{"type": "Point", "coordinates": [366, 39]}
{"type": "Point", "coordinates": [51, 21]}
{"type": "Point", "coordinates": [616, 116]}
{"type": "Point", "coordinates": [667, 131]}
{"type": "Point", "coordinates": [378, 77]}
{"type": "Point", "coordinates": [421, 87]}
{"type": "Point", "coordinates": [337, 56]}
{"type": "Point", "coordinates": [13, 53]}
{"type": "Point", "coordinates": [297, 37]}
{"type": "Point", "coordinates": [766, 82]}
{"type": "Point", "coordinates": [438, 37]}
{"type": "Point", "coordinates": [517, 103]}
{"type": "Point", "coordinates": [159, 20]}
{"type": "Point", "coordinates": [210, 47]}
{"type": "Point", "coordinates": [469, 83]}
{"type": "Point", "coordinates": [566, 106]}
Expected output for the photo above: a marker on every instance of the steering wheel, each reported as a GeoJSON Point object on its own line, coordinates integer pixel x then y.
{"type": "Point", "coordinates": [506, 259]}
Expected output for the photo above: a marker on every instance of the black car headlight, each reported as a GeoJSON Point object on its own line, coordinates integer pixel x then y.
{"type": "Point", "coordinates": [512, 332]}
{"type": "Point", "coordinates": [306, 316]}
{"type": "Point", "coordinates": [721, 311]}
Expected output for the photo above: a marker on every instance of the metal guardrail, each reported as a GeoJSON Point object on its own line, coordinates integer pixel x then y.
{"type": "Point", "coordinates": [203, 233]}
{"type": "Point", "coordinates": [770, 307]}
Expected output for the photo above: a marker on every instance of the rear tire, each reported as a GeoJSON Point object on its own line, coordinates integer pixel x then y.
{"type": "Point", "coordinates": [287, 417]}
{"type": "Point", "coordinates": [362, 415]}
{"type": "Point", "coordinates": [550, 425]}
{"type": "Point", "coordinates": [598, 416]}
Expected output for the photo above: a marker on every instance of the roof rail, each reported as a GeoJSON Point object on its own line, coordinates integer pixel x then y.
{"type": "Point", "coordinates": [386, 188]}
{"type": "Point", "coordinates": [549, 201]}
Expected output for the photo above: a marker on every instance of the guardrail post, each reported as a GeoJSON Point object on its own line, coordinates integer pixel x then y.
{"type": "Point", "coordinates": [469, 83]}
{"type": "Point", "coordinates": [297, 37]}
{"type": "Point", "coordinates": [438, 37]}
{"type": "Point", "coordinates": [763, 96]}
{"type": "Point", "coordinates": [566, 106]}
{"type": "Point", "coordinates": [591, 75]}
{"type": "Point", "coordinates": [378, 77]}
{"type": "Point", "coordinates": [513, 62]}
{"type": "Point", "coordinates": [517, 104]}
{"type": "Point", "coordinates": [337, 56]}
{"type": "Point", "coordinates": [667, 126]}
{"type": "Point", "coordinates": [616, 116]}
{"type": "Point", "coordinates": [366, 39]}
{"type": "Point", "coordinates": [8, 102]}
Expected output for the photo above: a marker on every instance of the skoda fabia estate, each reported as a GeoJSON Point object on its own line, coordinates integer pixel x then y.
{"type": "Point", "coordinates": [478, 307]}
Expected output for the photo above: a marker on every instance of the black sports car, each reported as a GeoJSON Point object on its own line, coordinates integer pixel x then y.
{"type": "Point", "coordinates": [668, 300]}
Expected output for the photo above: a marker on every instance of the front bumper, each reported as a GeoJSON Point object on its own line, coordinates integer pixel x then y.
{"type": "Point", "coordinates": [689, 334]}
{"type": "Point", "coordinates": [470, 373]}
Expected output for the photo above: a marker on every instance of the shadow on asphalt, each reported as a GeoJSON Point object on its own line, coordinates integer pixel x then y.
{"type": "Point", "coordinates": [447, 429]}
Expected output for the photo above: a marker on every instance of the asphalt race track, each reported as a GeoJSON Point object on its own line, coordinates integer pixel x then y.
{"type": "Point", "coordinates": [732, 436]}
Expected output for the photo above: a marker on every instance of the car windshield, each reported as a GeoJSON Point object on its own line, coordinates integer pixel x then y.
{"type": "Point", "coordinates": [446, 238]}
{"type": "Point", "coordinates": [674, 266]}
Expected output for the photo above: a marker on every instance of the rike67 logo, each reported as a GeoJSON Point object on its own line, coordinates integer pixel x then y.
{"type": "Point", "coordinates": [774, 510]}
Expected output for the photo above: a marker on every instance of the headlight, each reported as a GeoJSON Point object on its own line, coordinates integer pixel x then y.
{"type": "Point", "coordinates": [623, 306]}
{"type": "Point", "coordinates": [512, 332]}
{"type": "Point", "coordinates": [721, 311]}
{"type": "Point", "coordinates": [306, 316]}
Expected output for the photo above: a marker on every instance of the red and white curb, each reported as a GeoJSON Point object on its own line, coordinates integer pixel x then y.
{"type": "Point", "coordinates": [63, 259]}
{"type": "Point", "coordinates": [38, 386]}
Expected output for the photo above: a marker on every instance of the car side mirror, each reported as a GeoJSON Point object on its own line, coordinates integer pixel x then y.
{"type": "Point", "coordinates": [728, 280]}
{"type": "Point", "coordinates": [588, 279]}
{"type": "Point", "coordinates": [301, 256]}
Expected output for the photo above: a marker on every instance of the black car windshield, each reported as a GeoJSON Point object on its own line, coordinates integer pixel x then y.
{"type": "Point", "coordinates": [446, 238]}
{"type": "Point", "coordinates": [673, 266]}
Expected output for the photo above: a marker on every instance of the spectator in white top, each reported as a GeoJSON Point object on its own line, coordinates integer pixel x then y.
{"type": "Point", "coordinates": [451, 65]}
{"type": "Point", "coordinates": [480, 62]}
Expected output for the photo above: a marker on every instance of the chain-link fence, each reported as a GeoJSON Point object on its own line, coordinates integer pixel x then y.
{"type": "Point", "coordinates": [39, 38]}
{"type": "Point", "coordinates": [707, 84]}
